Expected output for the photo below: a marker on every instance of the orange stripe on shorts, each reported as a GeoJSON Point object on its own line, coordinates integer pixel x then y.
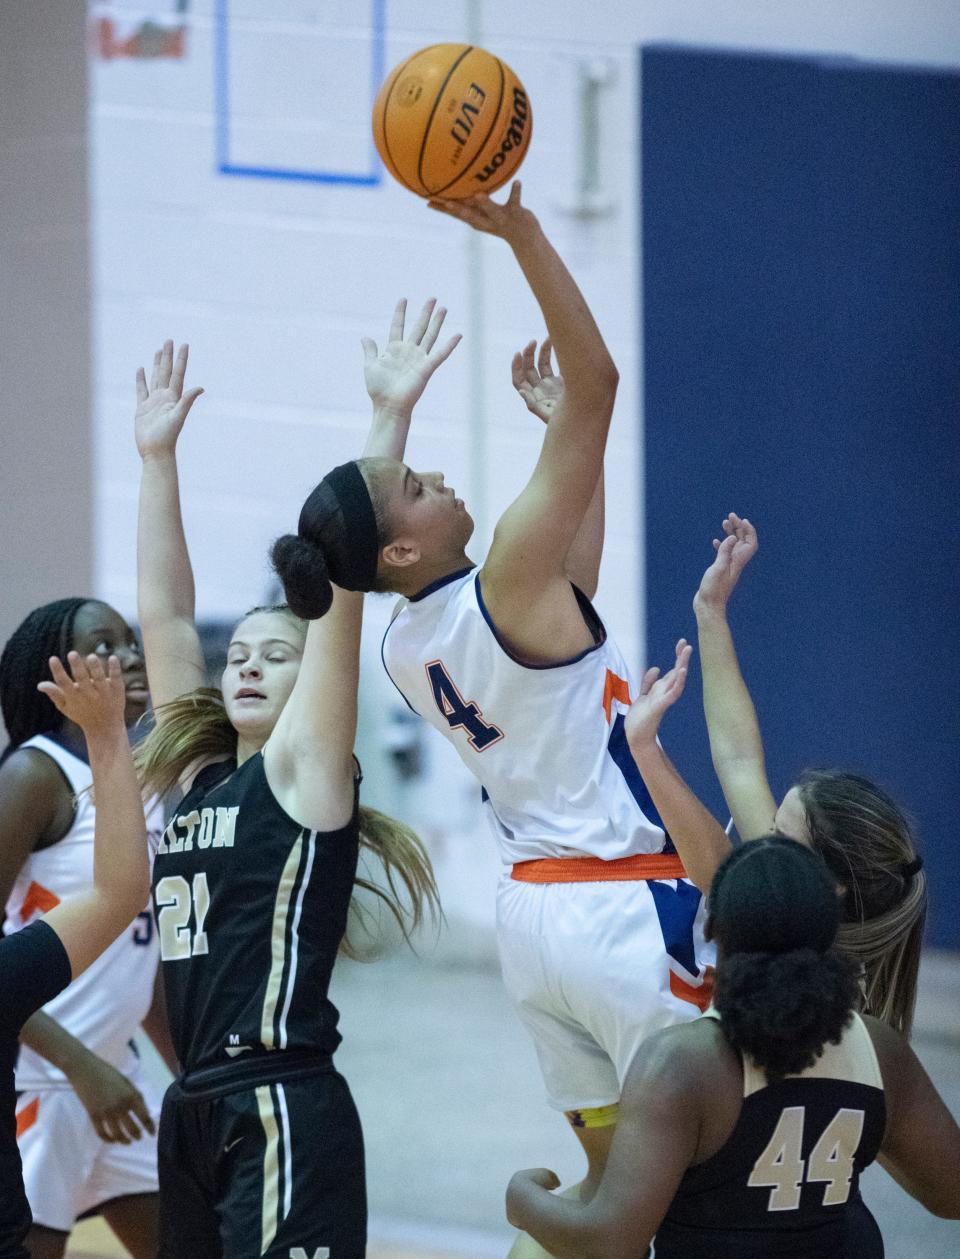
{"type": "Point", "coordinates": [655, 865]}
{"type": "Point", "coordinates": [27, 1117]}
{"type": "Point", "coordinates": [699, 995]}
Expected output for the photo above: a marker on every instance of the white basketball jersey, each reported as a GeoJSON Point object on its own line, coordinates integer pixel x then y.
{"type": "Point", "coordinates": [105, 1005]}
{"type": "Point", "coordinates": [547, 742]}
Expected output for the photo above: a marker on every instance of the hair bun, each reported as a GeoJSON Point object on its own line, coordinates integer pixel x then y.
{"type": "Point", "coordinates": [302, 570]}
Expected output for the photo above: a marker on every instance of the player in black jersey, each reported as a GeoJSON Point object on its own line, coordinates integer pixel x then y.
{"type": "Point", "coordinates": [260, 1146]}
{"type": "Point", "coordinates": [743, 1136]}
{"type": "Point", "coordinates": [39, 961]}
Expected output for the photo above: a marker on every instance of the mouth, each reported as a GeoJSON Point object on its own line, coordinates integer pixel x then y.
{"type": "Point", "coordinates": [136, 687]}
{"type": "Point", "coordinates": [247, 692]}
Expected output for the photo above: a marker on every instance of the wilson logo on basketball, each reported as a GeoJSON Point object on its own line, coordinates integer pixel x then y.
{"type": "Point", "coordinates": [515, 137]}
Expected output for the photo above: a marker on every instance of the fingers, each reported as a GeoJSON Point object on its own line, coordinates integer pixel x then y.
{"type": "Point", "coordinates": [396, 323]}
{"type": "Point", "coordinates": [516, 371]}
{"type": "Point", "coordinates": [544, 365]}
{"type": "Point", "coordinates": [370, 351]}
{"type": "Point", "coordinates": [139, 1108]}
{"type": "Point", "coordinates": [433, 329]}
{"type": "Point", "coordinates": [423, 322]}
{"type": "Point", "coordinates": [441, 355]}
{"type": "Point", "coordinates": [142, 392]}
{"type": "Point", "coordinates": [529, 370]}
{"type": "Point", "coordinates": [155, 372]}
{"type": "Point", "coordinates": [179, 369]}
{"type": "Point", "coordinates": [648, 679]}
{"type": "Point", "coordinates": [187, 401]}
{"type": "Point", "coordinates": [165, 370]}
{"type": "Point", "coordinates": [513, 201]}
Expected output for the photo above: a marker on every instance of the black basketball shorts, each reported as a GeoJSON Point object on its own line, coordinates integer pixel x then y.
{"type": "Point", "coordinates": [272, 1167]}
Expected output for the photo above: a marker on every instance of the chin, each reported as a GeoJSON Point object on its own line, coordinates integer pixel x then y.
{"type": "Point", "coordinates": [134, 710]}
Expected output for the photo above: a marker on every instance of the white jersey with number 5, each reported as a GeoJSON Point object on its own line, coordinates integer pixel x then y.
{"type": "Point", "coordinates": [105, 1005]}
{"type": "Point", "coordinates": [547, 742]}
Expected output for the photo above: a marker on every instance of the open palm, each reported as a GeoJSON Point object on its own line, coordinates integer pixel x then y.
{"type": "Point", "coordinates": [657, 694]}
{"type": "Point", "coordinates": [162, 408]}
{"type": "Point", "coordinates": [535, 380]}
{"type": "Point", "coordinates": [397, 375]}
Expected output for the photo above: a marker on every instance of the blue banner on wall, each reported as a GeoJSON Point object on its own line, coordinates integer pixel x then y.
{"type": "Point", "coordinates": [801, 273]}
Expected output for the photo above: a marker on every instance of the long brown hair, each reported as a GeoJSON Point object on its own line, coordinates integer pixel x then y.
{"type": "Point", "coordinates": [196, 729]}
{"type": "Point", "coordinates": [868, 844]}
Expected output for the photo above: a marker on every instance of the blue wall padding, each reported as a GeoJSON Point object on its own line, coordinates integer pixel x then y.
{"type": "Point", "coordinates": [801, 298]}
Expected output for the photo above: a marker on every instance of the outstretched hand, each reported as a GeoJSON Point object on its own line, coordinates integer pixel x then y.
{"type": "Point", "coordinates": [734, 553]}
{"type": "Point", "coordinates": [657, 694]}
{"type": "Point", "coordinates": [93, 697]}
{"type": "Point", "coordinates": [163, 407]}
{"type": "Point", "coordinates": [480, 212]}
{"type": "Point", "coordinates": [397, 375]}
{"type": "Point", "coordinates": [535, 380]}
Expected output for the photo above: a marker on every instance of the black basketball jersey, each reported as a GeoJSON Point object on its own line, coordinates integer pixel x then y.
{"type": "Point", "coordinates": [786, 1183]}
{"type": "Point", "coordinates": [251, 907]}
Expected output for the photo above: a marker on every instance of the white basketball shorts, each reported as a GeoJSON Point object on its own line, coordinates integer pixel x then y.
{"type": "Point", "coordinates": [67, 1168]}
{"type": "Point", "coordinates": [594, 968]}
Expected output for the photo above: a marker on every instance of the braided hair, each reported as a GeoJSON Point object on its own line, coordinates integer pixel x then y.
{"type": "Point", "coordinates": [46, 632]}
{"type": "Point", "coordinates": [783, 991]}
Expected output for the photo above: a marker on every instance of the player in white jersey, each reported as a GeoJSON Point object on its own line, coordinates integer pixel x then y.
{"type": "Point", "coordinates": [86, 1114]}
{"type": "Point", "coordinates": [599, 930]}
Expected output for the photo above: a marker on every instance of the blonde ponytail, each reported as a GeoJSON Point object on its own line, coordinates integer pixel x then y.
{"type": "Point", "coordinates": [410, 892]}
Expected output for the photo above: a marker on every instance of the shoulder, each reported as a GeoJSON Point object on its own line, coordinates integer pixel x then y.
{"type": "Point", "coordinates": [34, 790]}
{"type": "Point", "coordinates": [31, 769]}
{"type": "Point", "coordinates": [680, 1061]}
{"type": "Point", "coordinates": [894, 1054]}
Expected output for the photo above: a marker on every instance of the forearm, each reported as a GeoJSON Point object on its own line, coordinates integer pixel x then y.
{"type": "Point", "coordinates": [698, 837]}
{"type": "Point", "coordinates": [563, 1226]}
{"type": "Point", "coordinates": [731, 717]}
{"type": "Point", "coordinates": [47, 1038]}
{"type": "Point", "coordinates": [120, 869]}
{"type": "Point", "coordinates": [582, 356]}
{"type": "Point", "coordinates": [388, 433]}
{"type": "Point", "coordinates": [157, 1026]}
{"type": "Point", "coordinates": [165, 589]}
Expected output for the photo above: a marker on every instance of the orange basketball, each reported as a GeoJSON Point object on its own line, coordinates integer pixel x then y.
{"type": "Point", "coordinates": [452, 120]}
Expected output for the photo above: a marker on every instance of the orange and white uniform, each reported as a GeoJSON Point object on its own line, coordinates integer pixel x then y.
{"type": "Point", "coordinates": [67, 1169]}
{"type": "Point", "coordinates": [599, 931]}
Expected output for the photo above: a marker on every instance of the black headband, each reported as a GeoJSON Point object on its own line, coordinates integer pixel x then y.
{"type": "Point", "coordinates": [351, 550]}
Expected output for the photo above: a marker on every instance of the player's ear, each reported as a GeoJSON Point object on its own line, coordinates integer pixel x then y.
{"type": "Point", "coordinates": [400, 553]}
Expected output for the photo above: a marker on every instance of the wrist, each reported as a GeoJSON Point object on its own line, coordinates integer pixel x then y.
{"type": "Point", "coordinates": [525, 233]}
{"type": "Point", "coordinates": [644, 748]}
{"type": "Point", "coordinates": [708, 608]}
{"type": "Point", "coordinates": [392, 413]}
{"type": "Point", "coordinates": [159, 455]}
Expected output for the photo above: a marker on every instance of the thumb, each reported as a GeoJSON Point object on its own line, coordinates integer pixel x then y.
{"type": "Point", "coordinates": [369, 349]}
{"type": "Point", "coordinates": [514, 199]}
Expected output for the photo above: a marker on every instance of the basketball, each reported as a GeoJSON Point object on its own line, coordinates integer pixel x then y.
{"type": "Point", "coordinates": [452, 120]}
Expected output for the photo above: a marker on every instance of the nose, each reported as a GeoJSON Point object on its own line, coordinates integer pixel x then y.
{"type": "Point", "coordinates": [250, 669]}
{"type": "Point", "coordinates": [130, 656]}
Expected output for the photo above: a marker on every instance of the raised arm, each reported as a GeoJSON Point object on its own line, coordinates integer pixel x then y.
{"type": "Point", "coordinates": [735, 742]}
{"type": "Point", "coordinates": [397, 375]}
{"type": "Point", "coordinates": [165, 592]}
{"type": "Point", "coordinates": [535, 534]}
{"type": "Point", "coordinates": [95, 699]}
{"type": "Point", "coordinates": [309, 756]}
{"type": "Point", "coordinates": [541, 389]}
{"type": "Point", "coordinates": [698, 837]}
